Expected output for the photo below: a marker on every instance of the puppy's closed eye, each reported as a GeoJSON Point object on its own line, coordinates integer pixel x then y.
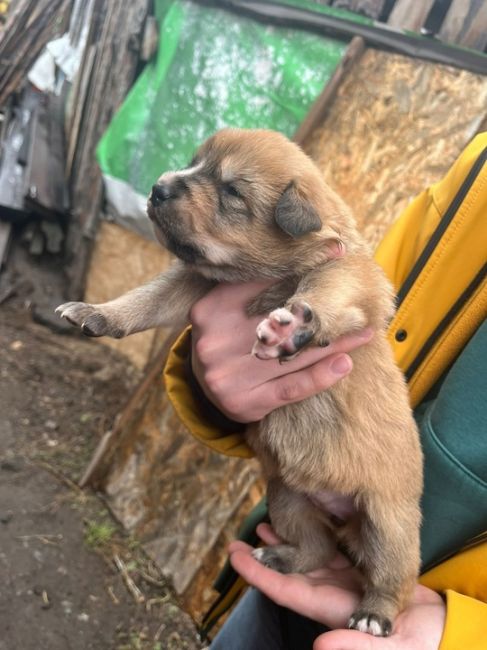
{"type": "Point", "coordinates": [231, 190]}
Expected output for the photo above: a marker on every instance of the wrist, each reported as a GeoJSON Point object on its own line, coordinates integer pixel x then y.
{"type": "Point", "coordinates": [207, 409]}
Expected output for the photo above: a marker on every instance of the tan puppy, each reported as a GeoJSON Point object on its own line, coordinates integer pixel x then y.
{"type": "Point", "coordinates": [345, 465]}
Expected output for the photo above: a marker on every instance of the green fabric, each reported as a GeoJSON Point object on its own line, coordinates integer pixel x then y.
{"type": "Point", "coordinates": [213, 69]}
{"type": "Point", "coordinates": [454, 438]}
{"type": "Point", "coordinates": [247, 534]}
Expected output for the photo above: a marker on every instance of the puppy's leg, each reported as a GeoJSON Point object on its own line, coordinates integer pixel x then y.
{"type": "Point", "coordinates": [325, 306]}
{"type": "Point", "coordinates": [307, 542]}
{"type": "Point", "coordinates": [389, 558]}
{"type": "Point", "coordinates": [166, 300]}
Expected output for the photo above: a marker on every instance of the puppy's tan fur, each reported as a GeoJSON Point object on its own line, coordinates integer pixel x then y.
{"type": "Point", "coordinates": [253, 205]}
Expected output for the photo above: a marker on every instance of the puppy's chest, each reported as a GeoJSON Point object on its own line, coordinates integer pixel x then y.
{"type": "Point", "coordinates": [298, 442]}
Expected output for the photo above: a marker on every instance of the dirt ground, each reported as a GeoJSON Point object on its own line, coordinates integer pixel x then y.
{"type": "Point", "coordinates": [70, 579]}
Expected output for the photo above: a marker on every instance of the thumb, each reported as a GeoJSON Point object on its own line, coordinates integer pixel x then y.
{"type": "Point", "coordinates": [350, 640]}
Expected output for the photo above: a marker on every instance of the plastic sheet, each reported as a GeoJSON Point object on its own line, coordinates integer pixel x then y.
{"type": "Point", "coordinates": [213, 69]}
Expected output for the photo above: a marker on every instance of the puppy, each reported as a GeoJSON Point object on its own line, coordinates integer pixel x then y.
{"type": "Point", "coordinates": [344, 465]}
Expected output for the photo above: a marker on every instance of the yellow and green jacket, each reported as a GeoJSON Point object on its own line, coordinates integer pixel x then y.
{"type": "Point", "coordinates": [435, 255]}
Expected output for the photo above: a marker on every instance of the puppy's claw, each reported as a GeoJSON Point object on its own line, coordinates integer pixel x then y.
{"type": "Point", "coordinates": [88, 319]}
{"type": "Point", "coordinates": [270, 557]}
{"type": "Point", "coordinates": [370, 623]}
{"type": "Point", "coordinates": [265, 352]}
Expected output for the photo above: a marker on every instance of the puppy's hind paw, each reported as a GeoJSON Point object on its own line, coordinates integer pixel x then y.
{"type": "Point", "coordinates": [371, 623]}
{"type": "Point", "coordinates": [284, 332]}
{"type": "Point", "coordinates": [270, 557]}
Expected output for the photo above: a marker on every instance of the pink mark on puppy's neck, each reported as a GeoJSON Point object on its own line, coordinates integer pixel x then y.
{"type": "Point", "coordinates": [340, 507]}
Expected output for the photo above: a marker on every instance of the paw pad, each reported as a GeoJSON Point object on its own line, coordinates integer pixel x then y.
{"type": "Point", "coordinates": [284, 332]}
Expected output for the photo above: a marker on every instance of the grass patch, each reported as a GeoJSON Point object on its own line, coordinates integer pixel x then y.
{"type": "Point", "coordinates": [98, 533]}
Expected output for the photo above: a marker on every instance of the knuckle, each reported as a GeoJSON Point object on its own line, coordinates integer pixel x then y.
{"type": "Point", "coordinates": [288, 391]}
{"type": "Point", "coordinates": [197, 314]}
{"type": "Point", "coordinates": [203, 350]}
{"type": "Point", "coordinates": [319, 378]}
{"type": "Point", "coordinates": [213, 382]}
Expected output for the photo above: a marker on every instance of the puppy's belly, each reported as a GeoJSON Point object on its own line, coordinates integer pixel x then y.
{"type": "Point", "coordinates": [339, 507]}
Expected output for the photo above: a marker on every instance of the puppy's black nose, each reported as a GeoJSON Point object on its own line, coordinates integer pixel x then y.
{"type": "Point", "coordinates": [160, 193]}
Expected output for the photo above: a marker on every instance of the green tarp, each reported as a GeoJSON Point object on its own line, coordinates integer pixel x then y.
{"type": "Point", "coordinates": [213, 69]}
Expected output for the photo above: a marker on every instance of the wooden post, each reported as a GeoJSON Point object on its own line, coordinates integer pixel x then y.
{"type": "Point", "coordinates": [410, 15]}
{"type": "Point", "coordinates": [466, 24]}
{"type": "Point", "coordinates": [370, 8]}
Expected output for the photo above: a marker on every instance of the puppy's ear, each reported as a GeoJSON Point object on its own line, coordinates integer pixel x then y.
{"type": "Point", "coordinates": [295, 214]}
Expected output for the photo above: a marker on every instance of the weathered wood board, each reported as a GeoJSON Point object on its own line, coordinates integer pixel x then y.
{"type": "Point", "coordinates": [395, 126]}
{"type": "Point", "coordinates": [174, 493]}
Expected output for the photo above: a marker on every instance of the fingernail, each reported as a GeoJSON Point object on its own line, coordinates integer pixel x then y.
{"type": "Point", "coordinates": [341, 365]}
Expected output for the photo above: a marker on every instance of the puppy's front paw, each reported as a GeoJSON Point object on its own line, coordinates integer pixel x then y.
{"type": "Point", "coordinates": [370, 622]}
{"type": "Point", "coordinates": [285, 332]}
{"type": "Point", "coordinates": [91, 321]}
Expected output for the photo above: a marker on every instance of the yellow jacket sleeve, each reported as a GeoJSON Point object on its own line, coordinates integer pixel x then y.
{"type": "Point", "coordinates": [463, 579]}
{"type": "Point", "coordinates": [466, 623]}
{"type": "Point", "coordinates": [188, 410]}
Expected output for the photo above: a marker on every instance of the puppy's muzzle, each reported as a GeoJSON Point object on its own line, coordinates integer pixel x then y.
{"type": "Point", "coordinates": [160, 192]}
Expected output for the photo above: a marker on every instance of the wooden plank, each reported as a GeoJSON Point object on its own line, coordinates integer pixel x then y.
{"type": "Point", "coordinates": [466, 24]}
{"type": "Point", "coordinates": [318, 111]}
{"type": "Point", "coordinates": [79, 94]}
{"type": "Point", "coordinates": [45, 179]}
{"type": "Point", "coordinates": [20, 50]}
{"type": "Point", "coordinates": [121, 30]}
{"type": "Point", "coordinates": [5, 233]}
{"type": "Point", "coordinates": [17, 17]}
{"type": "Point", "coordinates": [410, 15]}
{"type": "Point", "coordinates": [370, 8]}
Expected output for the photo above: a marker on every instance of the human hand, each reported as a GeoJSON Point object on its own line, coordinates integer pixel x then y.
{"type": "Point", "coordinates": [242, 386]}
{"type": "Point", "coordinates": [330, 595]}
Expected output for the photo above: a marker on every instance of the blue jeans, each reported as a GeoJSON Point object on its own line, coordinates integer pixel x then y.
{"type": "Point", "coordinates": [257, 623]}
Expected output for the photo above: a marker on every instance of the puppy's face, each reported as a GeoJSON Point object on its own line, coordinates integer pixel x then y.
{"type": "Point", "coordinates": [249, 203]}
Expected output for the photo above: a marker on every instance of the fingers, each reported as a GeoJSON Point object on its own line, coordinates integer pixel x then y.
{"type": "Point", "coordinates": [314, 597]}
{"type": "Point", "coordinates": [278, 587]}
{"type": "Point", "coordinates": [312, 355]}
{"type": "Point", "coordinates": [267, 535]}
{"type": "Point", "coordinates": [353, 640]}
{"type": "Point", "coordinates": [238, 545]}
{"type": "Point", "coordinates": [248, 394]}
{"type": "Point", "coordinates": [300, 385]}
